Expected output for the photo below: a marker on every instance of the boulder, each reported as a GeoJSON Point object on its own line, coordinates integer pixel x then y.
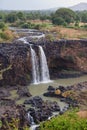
{"type": "Point", "coordinates": [23, 91]}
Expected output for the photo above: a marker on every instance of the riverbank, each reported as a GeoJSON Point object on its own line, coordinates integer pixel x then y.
{"type": "Point", "coordinates": [58, 99]}
{"type": "Point", "coordinates": [65, 59]}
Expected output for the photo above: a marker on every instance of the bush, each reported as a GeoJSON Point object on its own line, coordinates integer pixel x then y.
{"type": "Point", "coordinates": [49, 37]}
{"type": "Point", "coordinates": [59, 21]}
{"type": "Point", "coordinates": [2, 25]}
{"type": "Point", "coordinates": [6, 35]}
{"type": "Point", "coordinates": [28, 25]}
{"type": "Point", "coordinates": [38, 26]}
{"type": "Point", "coordinates": [68, 121]}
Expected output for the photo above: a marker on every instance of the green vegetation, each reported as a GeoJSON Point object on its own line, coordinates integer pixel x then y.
{"type": "Point", "coordinates": [0, 123]}
{"type": "Point", "coordinates": [44, 21]}
{"type": "Point", "coordinates": [13, 125]}
{"type": "Point", "coordinates": [63, 16]}
{"type": "Point", "coordinates": [68, 121]}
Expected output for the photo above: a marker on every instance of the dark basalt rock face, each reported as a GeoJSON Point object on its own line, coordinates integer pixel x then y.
{"type": "Point", "coordinates": [41, 110]}
{"type": "Point", "coordinates": [23, 92]}
{"type": "Point", "coordinates": [70, 55]}
{"type": "Point", "coordinates": [63, 93]}
{"type": "Point", "coordinates": [15, 64]}
{"type": "Point", "coordinates": [16, 67]}
{"type": "Point", "coordinates": [4, 93]}
{"type": "Point", "coordinates": [14, 117]}
{"type": "Point", "coordinates": [80, 94]}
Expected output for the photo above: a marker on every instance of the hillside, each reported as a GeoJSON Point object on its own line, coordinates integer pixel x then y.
{"type": "Point", "coordinates": [80, 7]}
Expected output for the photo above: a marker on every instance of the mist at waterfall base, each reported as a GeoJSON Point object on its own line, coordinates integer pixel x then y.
{"type": "Point", "coordinates": [40, 71]}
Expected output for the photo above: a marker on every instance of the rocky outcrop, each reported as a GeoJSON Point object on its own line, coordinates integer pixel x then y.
{"type": "Point", "coordinates": [15, 64]}
{"type": "Point", "coordinates": [75, 95]}
{"type": "Point", "coordinates": [23, 92]}
{"type": "Point", "coordinates": [41, 110]}
{"type": "Point", "coordinates": [14, 118]}
{"type": "Point", "coordinates": [66, 58]}
{"type": "Point", "coordinates": [79, 93]}
{"type": "Point", "coordinates": [63, 93]}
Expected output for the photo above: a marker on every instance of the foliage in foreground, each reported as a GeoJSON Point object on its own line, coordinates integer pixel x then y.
{"type": "Point", "coordinates": [12, 125]}
{"type": "Point", "coordinates": [68, 121]}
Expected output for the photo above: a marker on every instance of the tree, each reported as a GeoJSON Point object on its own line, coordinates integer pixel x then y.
{"type": "Point", "coordinates": [21, 15]}
{"type": "Point", "coordinates": [58, 21]}
{"type": "Point", "coordinates": [2, 25]}
{"type": "Point", "coordinates": [84, 17]}
{"type": "Point", "coordinates": [1, 16]}
{"type": "Point", "coordinates": [66, 14]}
{"type": "Point", "coordinates": [11, 17]}
{"type": "Point", "coordinates": [81, 16]}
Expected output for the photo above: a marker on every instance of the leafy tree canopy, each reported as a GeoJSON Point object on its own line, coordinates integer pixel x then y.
{"type": "Point", "coordinates": [66, 15]}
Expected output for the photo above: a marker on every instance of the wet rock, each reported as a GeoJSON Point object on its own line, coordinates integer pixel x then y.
{"type": "Point", "coordinates": [63, 93]}
{"type": "Point", "coordinates": [62, 88]}
{"type": "Point", "coordinates": [4, 93]}
{"type": "Point", "coordinates": [51, 88]}
{"type": "Point", "coordinates": [61, 112]}
{"type": "Point", "coordinates": [23, 91]}
{"type": "Point", "coordinates": [41, 109]}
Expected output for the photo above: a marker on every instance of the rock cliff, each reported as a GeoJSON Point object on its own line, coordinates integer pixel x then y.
{"type": "Point", "coordinates": [62, 56]}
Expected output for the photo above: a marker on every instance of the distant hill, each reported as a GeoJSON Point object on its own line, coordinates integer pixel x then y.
{"type": "Point", "coordinates": [79, 7]}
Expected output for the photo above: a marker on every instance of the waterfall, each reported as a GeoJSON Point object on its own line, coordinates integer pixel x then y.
{"type": "Point", "coordinates": [40, 71]}
{"type": "Point", "coordinates": [44, 67]}
{"type": "Point", "coordinates": [30, 118]}
{"type": "Point", "coordinates": [31, 121]}
{"type": "Point", "coordinates": [35, 66]}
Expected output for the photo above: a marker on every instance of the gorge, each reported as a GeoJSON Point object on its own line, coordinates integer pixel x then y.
{"type": "Point", "coordinates": [23, 62]}
{"type": "Point", "coordinates": [65, 58]}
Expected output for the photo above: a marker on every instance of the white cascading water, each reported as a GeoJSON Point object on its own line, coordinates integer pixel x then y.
{"type": "Point", "coordinates": [31, 120]}
{"type": "Point", "coordinates": [40, 72]}
{"type": "Point", "coordinates": [35, 66]}
{"type": "Point", "coordinates": [32, 123]}
{"type": "Point", "coordinates": [44, 67]}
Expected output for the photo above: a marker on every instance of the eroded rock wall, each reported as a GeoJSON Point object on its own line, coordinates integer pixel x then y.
{"type": "Point", "coordinates": [15, 64]}
{"type": "Point", "coordinates": [15, 60]}
{"type": "Point", "coordinates": [68, 55]}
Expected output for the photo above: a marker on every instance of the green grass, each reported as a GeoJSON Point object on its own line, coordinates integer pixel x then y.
{"type": "Point", "coordinates": [68, 121]}
{"type": "Point", "coordinates": [0, 123]}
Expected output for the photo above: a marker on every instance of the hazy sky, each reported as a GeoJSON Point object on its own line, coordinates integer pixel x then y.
{"type": "Point", "coordinates": [36, 4]}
